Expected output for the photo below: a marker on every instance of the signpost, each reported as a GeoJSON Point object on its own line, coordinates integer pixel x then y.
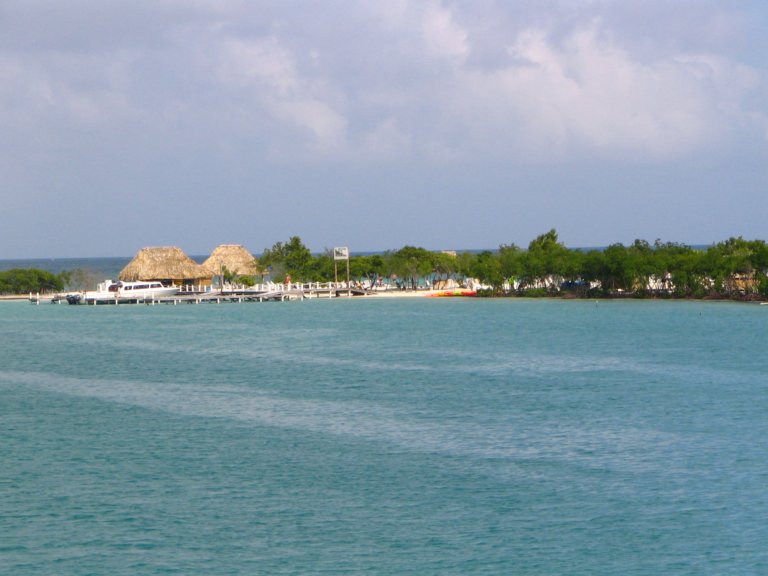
{"type": "Point", "coordinates": [341, 253]}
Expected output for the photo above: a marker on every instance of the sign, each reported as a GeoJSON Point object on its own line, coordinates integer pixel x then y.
{"type": "Point", "coordinates": [341, 253]}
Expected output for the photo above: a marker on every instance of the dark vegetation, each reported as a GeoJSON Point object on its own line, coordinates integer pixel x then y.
{"type": "Point", "coordinates": [25, 280]}
{"type": "Point", "coordinates": [21, 280]}
{"type": "Point", "coordinates": [733, 269]}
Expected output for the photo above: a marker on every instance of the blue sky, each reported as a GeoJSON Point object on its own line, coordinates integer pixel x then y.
{"type": "Point", "coordinates": [379, 124]}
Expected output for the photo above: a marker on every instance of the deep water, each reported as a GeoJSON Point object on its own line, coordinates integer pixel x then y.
{"type": "Point", "coordinates": [414, 436]}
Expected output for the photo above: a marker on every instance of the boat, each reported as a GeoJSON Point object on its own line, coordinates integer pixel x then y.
{"type": "Point", "coordinates": [110, 292]}
{"type": "Point", "coordinates": [460, 293]}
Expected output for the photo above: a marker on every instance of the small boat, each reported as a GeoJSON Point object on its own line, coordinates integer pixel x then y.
{"type": "Point", "coordinates": [460, 293]}
{"type": "Point", "coordinates": [109, 292]}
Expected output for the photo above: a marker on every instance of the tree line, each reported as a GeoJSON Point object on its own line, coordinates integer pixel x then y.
{"type": "Point", "coordinates": [734, 268]}
{"type": "Point", "coordinates": [25, 280]}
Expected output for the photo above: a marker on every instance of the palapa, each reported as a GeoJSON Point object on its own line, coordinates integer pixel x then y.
{"type": "Point", "coordinates": [234, 258]}
{"type": "Point", "coordinates": [165, 263]}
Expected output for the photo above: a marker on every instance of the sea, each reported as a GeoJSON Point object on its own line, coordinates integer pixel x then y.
{"type": "Point", "coordinates": [101, 268]}
{"type": "Point", "coordinates": [384, 436]}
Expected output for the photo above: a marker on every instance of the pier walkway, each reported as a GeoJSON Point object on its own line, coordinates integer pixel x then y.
{"type": "Point", "coordinates": [259, 293]}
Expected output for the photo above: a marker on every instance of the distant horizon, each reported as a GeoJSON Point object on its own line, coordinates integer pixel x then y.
{"type": "Point", "coordinates": [364, 252]}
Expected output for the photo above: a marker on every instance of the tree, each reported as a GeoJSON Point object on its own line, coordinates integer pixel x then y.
{"type": "Point", "coordinates": [369, 267]}
{"type": "Point", "coordinates": [487, 269]}
{"type": "Point", "coordinates": [444, 267]}
{"type": "Point", "coordinates": [411, 263]}
{"type": "Point", "coordinates": [290, 259]}
{"type": "Point", "coordinates": [22, 280]}
{"type": "Point", "coordinates": [545, 257]}
{"type": "Point", "coordinates": [465, 262]}
{"type": "Point", "coordinates": [322, 268]}
{"type": "Point", "coordinates": [618, 271]}
{"type": "Point", "coordinates": [681, 263]}
{"type": "Point", "coordinates": [593, 267]}
{"type": "Point", "coordinates": [511, 264]}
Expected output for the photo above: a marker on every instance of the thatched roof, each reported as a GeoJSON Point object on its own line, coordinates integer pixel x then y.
{"type": "Point", "coordinates": [235, 258]}
{"type": "Point", "coordinates": [163, 263]}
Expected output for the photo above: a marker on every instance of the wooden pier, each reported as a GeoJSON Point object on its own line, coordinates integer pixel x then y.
{"type": "Point", "coordinates": [260, 293]}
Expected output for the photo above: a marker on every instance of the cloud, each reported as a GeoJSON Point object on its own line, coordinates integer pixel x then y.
{"type": "Point", "coordinates": [443, 38]}
{"type": "Point", "coordinates": [586, 94]}
{"type": "Point", "coordinates": [162, 102]}
{"type": "Point", "coordinates": [261, 60]}
{"type": "Point", "coordinates": [589, 93]}
{"type": "Point", "coordinates": [268, 73]}
{"type": "Point", "coordinates": [415, 85]}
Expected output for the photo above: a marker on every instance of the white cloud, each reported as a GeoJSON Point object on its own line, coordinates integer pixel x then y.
{"type": "Point", "coordinates": [325, 124]}
{"type": "Point", "coordinates": [442, 36]}
{"type": "Point", "coordinates": [577, 88]}
{"type": "Point", "coordinates": [587, 94]}
{"type": "Point", "coordinates": [261, 60]}
{"type": "Point", "coordinates": [269, 72]}
{"type": "Point", "coordinates": [412, 83]}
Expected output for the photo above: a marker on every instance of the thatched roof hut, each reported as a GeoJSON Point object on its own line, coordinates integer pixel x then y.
{"type": "Point", "coordinates": [168, 264]}
{"type": "Point", "coordinates": [235, 258]}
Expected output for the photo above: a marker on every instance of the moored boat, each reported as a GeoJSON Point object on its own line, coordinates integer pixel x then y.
{"type": "Point", "coordinates": [110, 291]}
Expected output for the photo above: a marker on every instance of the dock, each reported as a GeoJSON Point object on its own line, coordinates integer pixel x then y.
{"type": "Point", "coordinates": [227, 294]}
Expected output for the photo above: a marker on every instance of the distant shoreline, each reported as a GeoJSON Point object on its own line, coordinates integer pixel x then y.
{"type": "Point", "coordinates": [439, 295]}
{"type": "Point", "coordinates": [382, 294]}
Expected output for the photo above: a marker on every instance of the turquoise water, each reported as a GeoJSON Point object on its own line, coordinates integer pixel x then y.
{"type": "Point", "coordinates": [384, 437]}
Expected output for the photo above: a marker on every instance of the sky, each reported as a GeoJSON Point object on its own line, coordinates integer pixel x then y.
{"type": "Point", "coordinates": [379, 124]}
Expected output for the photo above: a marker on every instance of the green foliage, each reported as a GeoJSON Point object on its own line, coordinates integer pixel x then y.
{"type": "Point", "coordinates": [410, 263]}
{"type": "Point", "coordinates": [546, 258]}
{"type": "Point", "coordinates": [229, 276]}
{"type": "Point", "coordinates": [292, 259]}
{"type": "Point", "coordinates": [511, 263]}
{"type": "Point", "coordinates": [444, 267]}
{"type": "Point", "coordinates": [623, 268]}
{"type": "Point", "coordinates": [762, 287]}
{"type": "Point", "coordinates": [367, 267]}
{"type": "Point", "coordinates": [24, 280]}
{"type": "Point", "coordinates": [536, 293]}
{"type": "Point", "coordinates": [487, 269]}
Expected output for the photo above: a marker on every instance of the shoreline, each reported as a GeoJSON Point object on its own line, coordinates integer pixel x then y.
{"type": "Point", "coordinates": [384, 294]}
{"type": "Point", "coordinates": [448, 294]}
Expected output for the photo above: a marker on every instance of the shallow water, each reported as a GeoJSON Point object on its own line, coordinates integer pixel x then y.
{"type": "Point", "coordinates": [385, 437]}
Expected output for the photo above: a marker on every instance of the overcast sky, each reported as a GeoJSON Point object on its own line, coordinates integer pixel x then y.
{"type": "Point", "coordinates": [381, 123]}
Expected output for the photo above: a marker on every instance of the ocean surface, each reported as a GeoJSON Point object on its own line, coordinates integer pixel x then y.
{"type": "Point", "coordinates": [391, 436]}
